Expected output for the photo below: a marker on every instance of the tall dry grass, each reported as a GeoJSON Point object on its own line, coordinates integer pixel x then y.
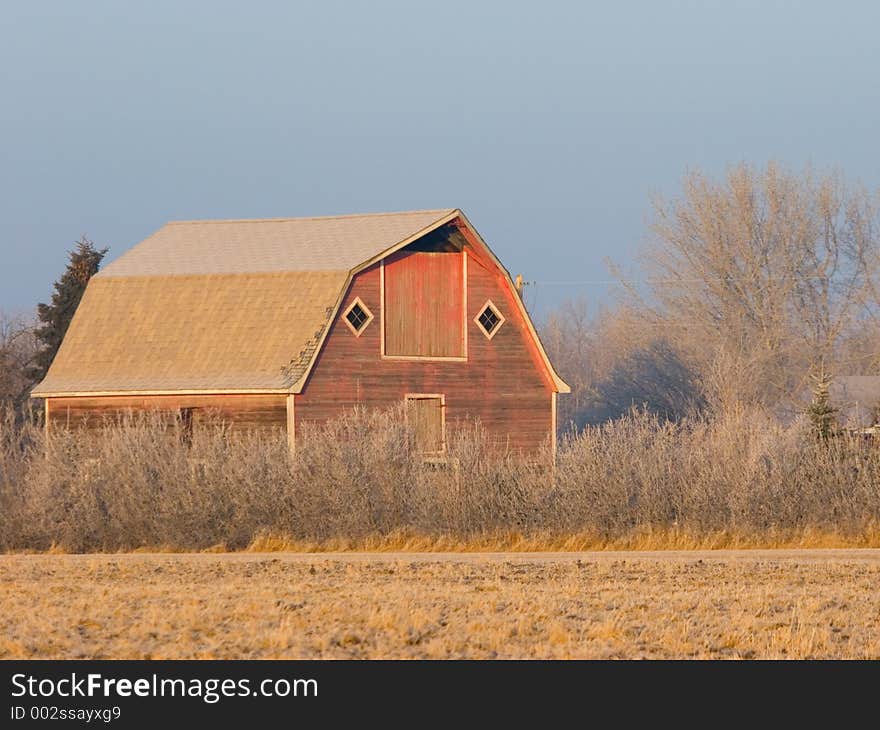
{"type": "Point", "coordinates": [743, 480]}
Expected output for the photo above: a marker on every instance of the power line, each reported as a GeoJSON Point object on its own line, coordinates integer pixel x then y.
{"type": "Point", "coordinates": [608, 282]}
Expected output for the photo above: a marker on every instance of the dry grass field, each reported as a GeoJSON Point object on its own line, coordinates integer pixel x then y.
{"type": "Point", "coordinates": [721, 604]}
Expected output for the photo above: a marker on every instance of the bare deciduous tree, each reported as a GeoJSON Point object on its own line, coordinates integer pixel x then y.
{"type": "Point", "coordinates": [18, 346]}
{"type": "Point", "coordinates": [757, 278]}
{"type": "Point", "coordinates": [570, 338]}
{"type": "Point", "coordinates": [613, 363]}
{"type": "Point", "coordinates": [653, 379]}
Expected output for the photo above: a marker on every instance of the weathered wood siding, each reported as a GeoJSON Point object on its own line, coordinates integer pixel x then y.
{"type": "Point", "coordinates": [246, 412]}
{"type": "Point", "coordinates": [425, 414]}
{"type": "Point", "coordinates": [423, 312]}
{"type": "Point", "coordinates": [502, 383]}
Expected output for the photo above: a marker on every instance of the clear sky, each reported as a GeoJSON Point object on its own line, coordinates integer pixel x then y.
{"type": "Point", "coordinates": [550, 123]}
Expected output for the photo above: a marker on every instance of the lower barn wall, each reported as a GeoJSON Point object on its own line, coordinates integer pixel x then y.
{"type": "Point", "coordinates": [241, 412]}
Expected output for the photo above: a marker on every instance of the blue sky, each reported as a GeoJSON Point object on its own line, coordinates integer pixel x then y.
{"type": "Point", "coordinates": [551, 124]}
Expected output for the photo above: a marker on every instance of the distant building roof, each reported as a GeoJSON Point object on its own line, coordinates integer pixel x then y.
{"type": "Point", "coordinates": [857, 398]}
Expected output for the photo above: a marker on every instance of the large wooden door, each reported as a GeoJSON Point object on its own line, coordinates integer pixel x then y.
{"type": "Point", "coordinates": [427, 421]}
{"type": "Point", "coordinates": [423, 306]}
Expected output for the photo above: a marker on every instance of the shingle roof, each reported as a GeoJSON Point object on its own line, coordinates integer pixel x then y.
{"type": "Point", "coordinates": [220, 305]}
{"type": "Point", "coordinates": [216, 332]}
{"type": "Point", "coordinates": [272, 245]}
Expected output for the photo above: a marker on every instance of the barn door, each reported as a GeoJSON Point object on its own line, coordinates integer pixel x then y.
{"type": "Point", "coordinates": [426, 419]}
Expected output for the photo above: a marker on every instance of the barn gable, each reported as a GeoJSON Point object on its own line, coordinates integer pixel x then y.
{"type": "Point", "coordinates": [451, 233]}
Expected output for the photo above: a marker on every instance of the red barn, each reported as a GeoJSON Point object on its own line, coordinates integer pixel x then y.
{"type": "Point", "coordinates": [276, 323]}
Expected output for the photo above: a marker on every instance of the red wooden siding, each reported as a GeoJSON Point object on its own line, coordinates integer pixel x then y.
{"type": "Point", "coordinates": [502, 383]}
{"type": "Point", "coordinates": [246, 412]}
{"type": "Point", "coordinates": [423, 304]}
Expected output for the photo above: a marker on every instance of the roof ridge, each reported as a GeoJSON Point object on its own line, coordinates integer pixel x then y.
{"type": "Point", "coordinates": [222, 274]}
{"type": "Point", "coordinates": [309, 218]}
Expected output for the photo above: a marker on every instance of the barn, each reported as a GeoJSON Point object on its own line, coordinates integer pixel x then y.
{"type": "Point", "coordinates": [276, 323]}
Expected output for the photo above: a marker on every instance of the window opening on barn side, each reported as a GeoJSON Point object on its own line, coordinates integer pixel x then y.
{"type": "Point", "coordinates": [489, 319]}
{"type": "Point", "coordinates": [425, 415]}
{"type": "Point", "coordinates": [185, 423]}
{"type": "Point", "coordinates": [357, 317]}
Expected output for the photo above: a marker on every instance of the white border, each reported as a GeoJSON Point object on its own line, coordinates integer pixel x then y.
{"type": "Point", "coordinates": [291, 422]}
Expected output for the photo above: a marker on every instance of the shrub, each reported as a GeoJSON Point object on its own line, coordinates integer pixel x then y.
{"type": "Point", "coordinates": [135, 483]}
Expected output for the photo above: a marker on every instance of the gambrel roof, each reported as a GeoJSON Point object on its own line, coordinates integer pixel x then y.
{"type": "Point", "coordinates": [227, 306]}
{"type": "Point", "coordinates": [274, 245]}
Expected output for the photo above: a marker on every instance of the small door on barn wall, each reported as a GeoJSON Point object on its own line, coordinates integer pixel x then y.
{"type": "Point", "coordinates": [425, 416]}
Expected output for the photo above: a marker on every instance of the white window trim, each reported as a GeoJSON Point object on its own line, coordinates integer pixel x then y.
{"type": "Point", "coordinates": [501, 319]}
{"type": "Point", "coordinates": [426, 396]}
{"type": "Point", "coordinates": [359, 303]}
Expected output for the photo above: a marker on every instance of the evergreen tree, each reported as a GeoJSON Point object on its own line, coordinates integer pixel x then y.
{"type": "Point", "coordinates": [823, 416]}
{"type": "Point", "coordinates": [84, 262]}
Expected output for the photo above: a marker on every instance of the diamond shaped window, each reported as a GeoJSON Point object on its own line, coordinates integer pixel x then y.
{"type": "Point", "coordinates": [358, 317]}
{"type": "Point", "coordinates": [489, 319]}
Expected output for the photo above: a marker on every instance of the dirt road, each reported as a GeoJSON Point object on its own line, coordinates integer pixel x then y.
{"type": "Point", "coordinates": [848, 555]}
